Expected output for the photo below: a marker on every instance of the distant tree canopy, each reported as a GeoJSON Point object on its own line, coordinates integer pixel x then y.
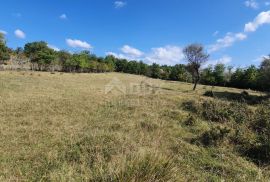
{"type": "Point", "coordinates": [4, 51]}
{"type": "Point", "coordinates": [43, 58]}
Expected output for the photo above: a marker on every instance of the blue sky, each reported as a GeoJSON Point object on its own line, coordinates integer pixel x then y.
{"type": "Point", "coordinates": [235, 32]}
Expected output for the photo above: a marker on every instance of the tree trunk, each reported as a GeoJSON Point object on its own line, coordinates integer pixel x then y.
{"type": "Point", "coordinates": [197, 79]}
{"type": "Point", "coordinates": [195, 84]}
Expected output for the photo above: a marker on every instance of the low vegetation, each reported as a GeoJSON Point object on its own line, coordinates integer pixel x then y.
{"type": "Point", "coordinates": [69, 127]}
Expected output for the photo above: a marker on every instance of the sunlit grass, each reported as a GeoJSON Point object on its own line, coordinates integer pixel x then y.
{"type": "Point", "coordinates": [65, 127]}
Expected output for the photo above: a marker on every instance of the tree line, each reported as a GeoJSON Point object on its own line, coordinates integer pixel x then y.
{"type": "Point", "coordinates": [43, 58]}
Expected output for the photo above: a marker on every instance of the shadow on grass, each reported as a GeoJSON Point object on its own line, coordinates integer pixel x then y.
{"type": "Point", "coordinates": [239, 97]}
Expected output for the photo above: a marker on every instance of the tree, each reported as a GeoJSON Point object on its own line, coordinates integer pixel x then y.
{"type": "Point", "coordinates": [179, 73]}
{"type": "Point", "coordinates": [264, 74]}
{"type": "Point", "coordinates": [208, 77]}
{"type": "Point", "coordinates": [155, 71]}
{"type": "Point", "coordinates": [40, 54]}
{"type": "Point", "coordinates": [4, 51]}
{"type": "Point", "coordinates": [251, 77]}
{"type": "Point", "coordinates": [219, 74]}
{"type": "Point", "coordinates": [195, 56]}
{"type": "Point", "coordinates": [237, 78]}
{"type": "Point", "coordinates": [62, 58]}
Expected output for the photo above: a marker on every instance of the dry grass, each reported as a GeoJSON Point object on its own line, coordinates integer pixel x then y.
{"type": "Point", "coordinates": [64, 127]}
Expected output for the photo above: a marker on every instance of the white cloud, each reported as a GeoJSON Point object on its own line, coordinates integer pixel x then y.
{"type": "Point", "coordinates": [78, 44]}
{"type": "Point", "coordinates": [227, 41]}
{"type": "Point", "coordinates": [223, 60]}
{"type": "Point", "coordinates": [63, 17]}
{"type": "Point", "coordinates": [262, 18]}
{"type": "Point", "coordinates": [120, 56]}
{"type": "Point", "coordinates": [3, 32]}
{"type": "Point", "coordinates": [119, 4]}
{"type": "Point", "coordinates": [259, 59]}
{"type": "Point", "coordinates": [252, 4]}
{"type": "Point", "coordinates": [131, 51]}
{"type": "Point", "coordinates": [53, 47]}
{"type": "Point", "coordinates": [169, 55]}
{"type": "Point", "coordinates": [19, 34]}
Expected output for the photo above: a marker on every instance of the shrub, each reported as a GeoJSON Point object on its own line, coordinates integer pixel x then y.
{"type": "Point", "coordinates": [215, 136]}
{"type": "Point", "coordinates": [209, 93]}
{"type": "Point", "coordinates": [220, 111]}
{"type": "Point", "coordinates": [191, 120]}
{"type": "Point", "coordinates": [215, 111]}
{"type": "Point", "coordinates": [259, 152]}
{"type": "Point", "coordinates": [190, 106]}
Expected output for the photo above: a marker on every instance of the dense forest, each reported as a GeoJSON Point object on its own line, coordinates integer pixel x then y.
{"type": "Point", "coordinates": [43, 58]}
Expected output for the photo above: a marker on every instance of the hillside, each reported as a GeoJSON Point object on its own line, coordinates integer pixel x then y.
{"type": "Point", "coordinates": [117, 127]}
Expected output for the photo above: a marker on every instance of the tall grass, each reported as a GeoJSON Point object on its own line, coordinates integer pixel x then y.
{"type": "Point", "coordinates": [64, 127]}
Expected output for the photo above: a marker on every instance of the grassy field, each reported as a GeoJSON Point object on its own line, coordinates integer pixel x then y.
{"type": "Point", "coordinates": [109, 127]}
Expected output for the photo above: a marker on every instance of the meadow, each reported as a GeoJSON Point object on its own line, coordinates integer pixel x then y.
{"type": "Point", "coordinates": [121, 127]}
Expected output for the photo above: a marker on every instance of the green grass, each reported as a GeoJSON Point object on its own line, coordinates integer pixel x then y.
{"type": "Point", "coordinates": [64, 127]}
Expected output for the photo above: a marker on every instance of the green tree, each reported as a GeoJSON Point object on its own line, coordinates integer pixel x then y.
{"type": "Point", "coordinates": [110, 61]}
{"type": "Point", "coordinates": [237, 78]}
{"type": "Point", "coordinates": [207, 76]}
{"type": "Point", "coordinates": [251, 77]}
{"type": "Point", "coordinates": [195, 56]}
{"type": "Point", "coordinates": [179, 73]}
{"type": "Point", "coordinates": [155, 71]}
{"type": "Point", "coordinates": [40, 54]}
{"type": "Point", "coordinates": [264, 74]}
{"type": "Point", "coordinates": [4, 51]}
{"type": "Point", "coordinates": [219, 74]}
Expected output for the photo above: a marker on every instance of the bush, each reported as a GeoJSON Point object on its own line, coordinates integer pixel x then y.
{"type": "Point", "coordinates": [190, 106]}
{"type": "Point", "coordinates": [209, 93]}
{"type": "Point", "coordinates": [215, 111]}
{"type": "Point", "coordinates": [220, 111]}
{"type": "Point", "coordinates": [215, 136]}
{"type": "Point", "coordinates": [260, 151]}
{"type": "Point", "coordinates": [191, 120]}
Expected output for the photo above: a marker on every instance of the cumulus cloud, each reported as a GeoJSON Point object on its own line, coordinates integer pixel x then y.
{"type": "Point", "coordinates": [169, 55]}
{"type": "Point", "coordinates": [227, 41]}
{"type": "Point", "coordinates": [3, 32]}
{"type": "Point", "coordinates": [78, 44]}
{"type": "Point", "coordinates": [231, 38]}
{"type": "Point", "coordinates": [53, 47]}
{"type": "Point", "coordinates": [252, 4]}
{"type": "Point", "coordinates": [131, 51]}
{"type": "Point", "coordinates": [261, 19]}
{"type": "Point", "coordinates": [19, 34]}
{"type": "Point", "coordinates": [120, 56]}
{"type": "Point", "coordinates": [259, 59]}
{"type": "Point", "coordinates": [63, 17]}
{"type": "Point", "coordinates": [223, 60]}
{"type": "Point", "coordinates": [119, 4]}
